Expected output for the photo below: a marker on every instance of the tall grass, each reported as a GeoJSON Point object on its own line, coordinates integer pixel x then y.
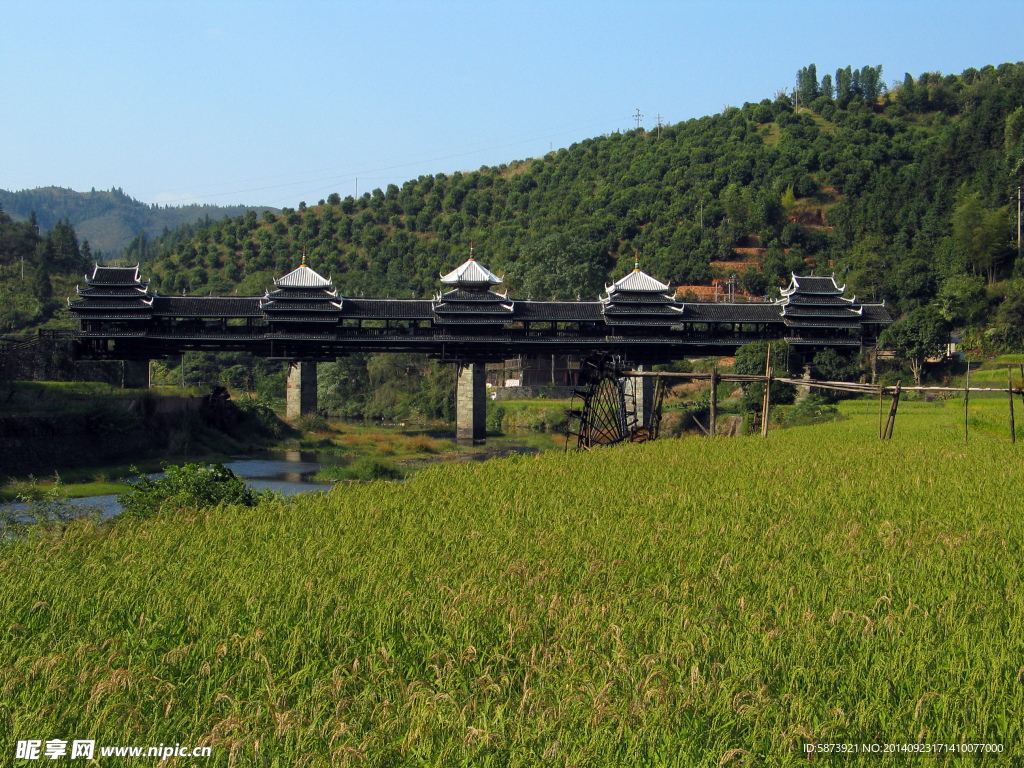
{"type": "Point", "coordinates": [686, 602]}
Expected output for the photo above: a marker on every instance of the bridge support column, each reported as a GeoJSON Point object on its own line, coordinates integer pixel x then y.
{"type": "Point", "coordinates": [136, 374]}
{"type": "Point", "coordinates": [642, 387]}
{"type": "Point", "coordinates": [471, 404]}
{"type": "Point", "coordinates": [301, 390]}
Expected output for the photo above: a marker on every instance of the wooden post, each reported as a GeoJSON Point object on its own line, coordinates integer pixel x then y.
{"type": "Point", "coordinates": [1022, 382]}
{"type": "Point", "coordinates": [764, 398]}
{"type": "Point", "coordinates": [767, 403]}
{"type": "Point", "coordinates": [881, 392]}
{"type": "Point", "coordinates": [713, 415]}
{"type": "Point", "coordinates": [967, 397]}
{"type": "Point", "coordinates": [1009, 391]}
{"type": "Point", "coordinates": [891, 422]}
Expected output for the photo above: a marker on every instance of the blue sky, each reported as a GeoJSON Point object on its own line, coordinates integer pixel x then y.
{"type": "Point", "coordinates": [273, 103]}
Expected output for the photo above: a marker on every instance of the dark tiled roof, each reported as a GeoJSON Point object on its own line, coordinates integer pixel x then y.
{"type": "Point", "coordinates": [111, 302]}
{"type": "Point", "coordinates": [112, 290]}
{"type": "Point", "coordinates": [560, 311]}
{"type": "Point", "coordinates": [818, 298]}
{"type": "Point", "coordinates": [322, 317]}
{"type": "Point", "coordinates": [822, 322]}
{"type": "Point", "coordinates": [462, 295]}
{"type": "Point", "coordinates": [707, 312]}
{"type": "Point", "coordinates": [650, 309]}
{"type": "Point", "coordinates": [207, 306]}
{"type": "Point", "coordinates": [113, 276]}
{"type": "Point", "coordinates": [303, 293]}
{"type": "Point", "coordinates": [120, 316]}
{"type": "Point", "coordinates": [416, 309]}
{"type": "Point", "coordinates": [474, 308]}
{"type": "Point", "coordinates": [468, 319]}
{"type": "Point", "coordinates": [876, 313]}
{"type": "Point", "coordinates": [816, 284]}
{"type": "Point", "coordinates": [281, 305]}
{"type": "Point", "coordinates": [828, 310]}
{"type": "Point", "coordinates": [620, 297]}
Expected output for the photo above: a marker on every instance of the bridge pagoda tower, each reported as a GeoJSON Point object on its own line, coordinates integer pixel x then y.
{"type": "Point", "coordinates": [299, 298]}
{"type": "Point", "coordinates": [471, 301]}
{"type": "Point", "coordinates": [117, 298]}
{"type": "Point", "coordinates": [634, 303]}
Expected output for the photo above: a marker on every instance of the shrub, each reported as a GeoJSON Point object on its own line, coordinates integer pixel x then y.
{"type": "Point", "coordinates": [365, 468]}
{"type": "Point", "coordinates": [190, 486]}
{"type": "Point", "coordinates": [813, 410]}
{"type": "Point", "coordinates": [261, 417]}
{"type": "Point", "coordinates": [422, 444]}
{"type": "Point", "coordinates": [313, 423]}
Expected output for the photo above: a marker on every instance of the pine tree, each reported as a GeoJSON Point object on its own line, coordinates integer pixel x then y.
{"type": "Point", "coordinates": [827, 88]}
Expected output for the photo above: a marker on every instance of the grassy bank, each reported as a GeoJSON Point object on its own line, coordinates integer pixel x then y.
{"type": "Point", "coordinates": [674, 603]}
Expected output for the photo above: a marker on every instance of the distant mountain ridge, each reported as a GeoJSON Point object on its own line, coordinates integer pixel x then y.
{"type": "Point", "coordinates": [110, 219]}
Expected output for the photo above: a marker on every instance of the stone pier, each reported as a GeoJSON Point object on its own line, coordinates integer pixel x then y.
{"type": "Point", "coordinates": [301, 390]}
{"type": "Point", "coordinates": [471, 404]}
{"type": "Point", "coordinates": [136, 374]}
{"type": "Point", "coordinates": [643, 387]}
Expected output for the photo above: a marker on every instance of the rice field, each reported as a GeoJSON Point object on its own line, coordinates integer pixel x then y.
{"type": "Point", "coordinates": [683, 602]}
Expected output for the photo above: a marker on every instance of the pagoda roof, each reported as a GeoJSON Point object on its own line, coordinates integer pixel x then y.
{"type": "Point", "coordinates": [823, 310]}
{"type": "Point", "coordinates": [471, 274]}
{"type": "Point", "coordinates": [475, 296]}
{"type": "Point", "coordinates": [112, 291]}
{"type": "Point", "coordinates": [302, 293]}
{"type": "Point", "coordinates": [637, 281]}
{"type": "Point", "coordinates": [113, 275]}
{"type": "Point", "coordinates": [813, 284]}
{"type": "Point", "coordinates": [300, 306]}
{"type": "Point", "coordinates": [303, 277]}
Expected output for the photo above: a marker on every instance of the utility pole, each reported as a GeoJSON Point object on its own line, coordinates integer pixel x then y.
{"type": "Point", "coordinates": [357, 188]}
{"type": "Point", "coordinates": [659, 125]}
{"type": "Point", "coordinates": [638, 116]}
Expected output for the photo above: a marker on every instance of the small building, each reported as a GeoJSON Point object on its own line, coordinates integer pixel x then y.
{"type": "Point", "coordinates": [535, 371]}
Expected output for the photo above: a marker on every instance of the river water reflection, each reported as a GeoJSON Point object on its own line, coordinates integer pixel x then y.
{"type": "Point", "coordinates": [292, 472]}
{"type": "Point", "coordinates": [285, 472]}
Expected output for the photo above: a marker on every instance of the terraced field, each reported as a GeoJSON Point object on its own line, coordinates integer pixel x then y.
{"type": "Point", "coordinates": [686, 602]}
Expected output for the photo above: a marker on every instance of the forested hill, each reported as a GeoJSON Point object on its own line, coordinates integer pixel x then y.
{"type": "Point", "coordinates": [108, 219]}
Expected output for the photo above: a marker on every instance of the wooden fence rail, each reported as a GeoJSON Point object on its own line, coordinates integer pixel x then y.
{"type": "Point", "coordinates": [884, 431]}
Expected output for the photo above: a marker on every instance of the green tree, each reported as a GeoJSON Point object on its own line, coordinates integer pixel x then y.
{"type": "Point", "coordinates": [916, 337]}
{"type": "Point", "coordinates": [962, 300]}
{"type": "Point", "coordinates": [559, 266]}
{"type": "Point", "coordinates": [751, 360]}
{"type": "Point", "coordinates": [980, 234]}
{"type": "Point", "coordinates": [42, 289]}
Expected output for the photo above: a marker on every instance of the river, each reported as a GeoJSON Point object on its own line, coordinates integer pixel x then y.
{"type": "Point", "coordinates": [291, 472]}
